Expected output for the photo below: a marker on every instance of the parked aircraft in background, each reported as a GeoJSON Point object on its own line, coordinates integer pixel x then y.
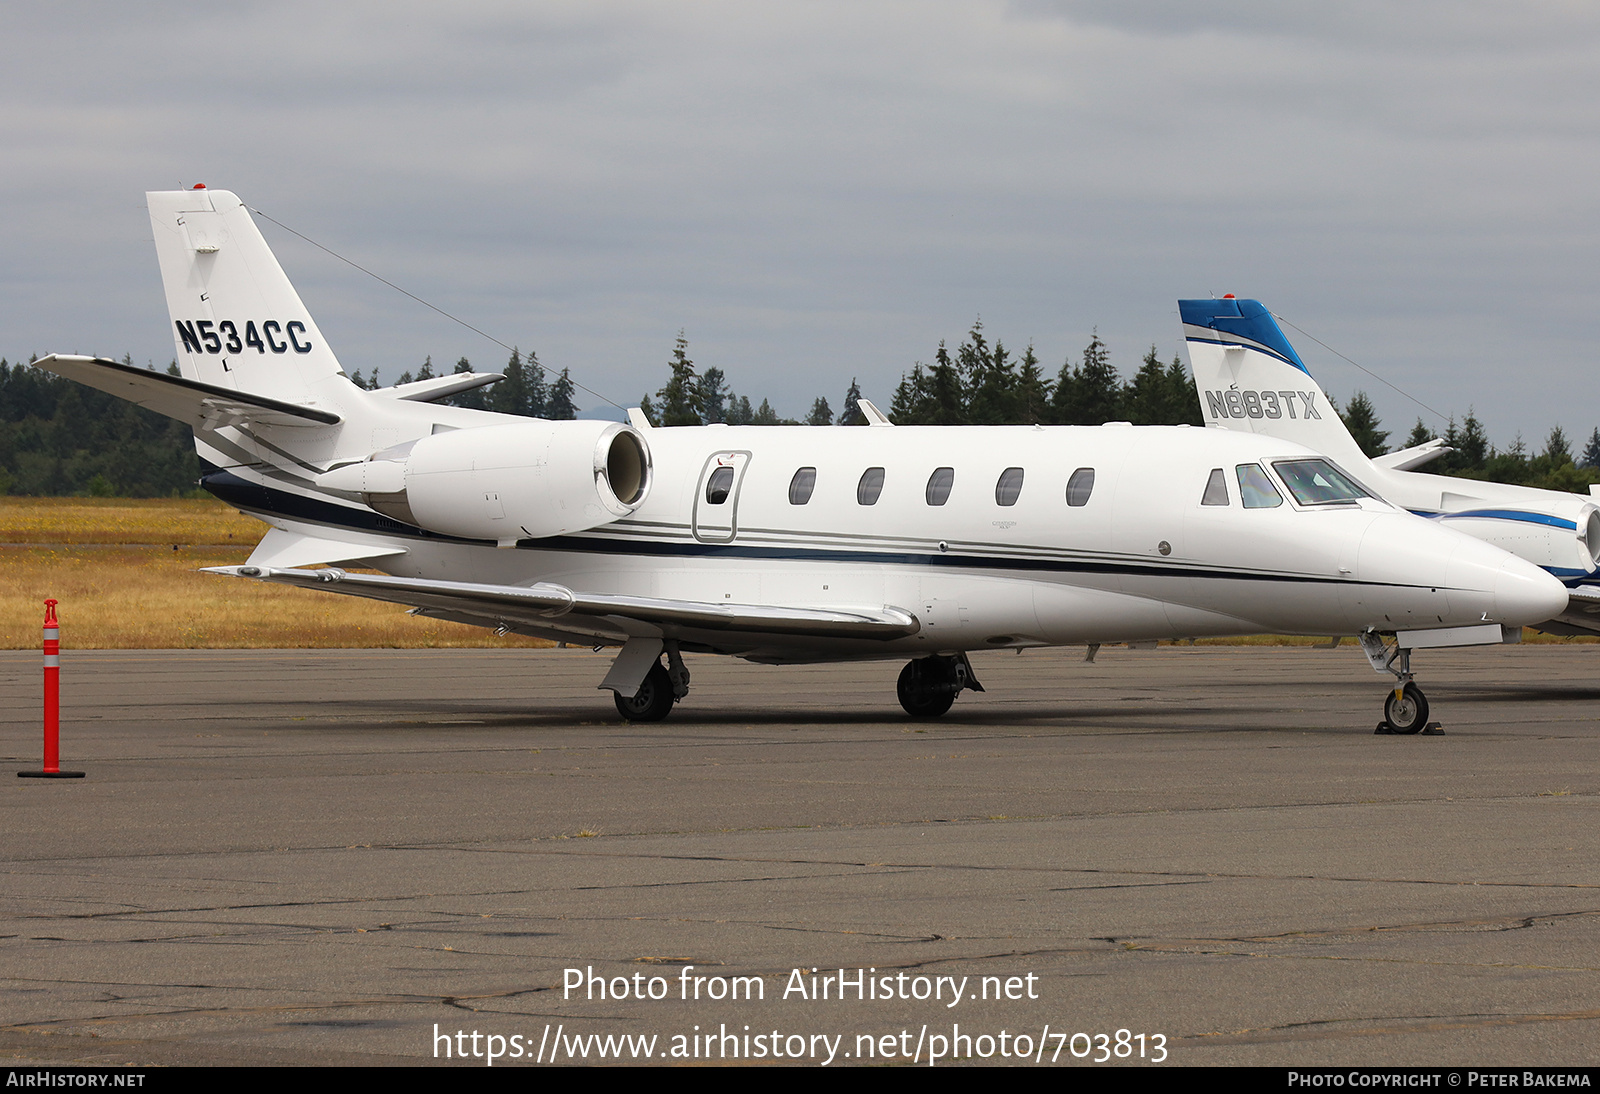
{"type": "Point", "coordinates": [1251, 380]}
{"type": "Point", "coordinates": [778, 545]}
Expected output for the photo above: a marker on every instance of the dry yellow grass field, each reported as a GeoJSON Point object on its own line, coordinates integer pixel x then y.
{"type": "Point", "coordinates": [121, 585]}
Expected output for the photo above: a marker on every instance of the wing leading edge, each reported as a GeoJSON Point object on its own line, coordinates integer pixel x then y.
{"type": "Point", "coordinates": [538, 605]}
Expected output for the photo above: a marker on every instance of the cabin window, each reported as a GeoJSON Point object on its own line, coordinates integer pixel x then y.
{"type": "Point", "coordinates": [1216, 489]}
{"type": "Point", "coordinates": [1255, 489]}
{"type": "Point", "coordinates": [1318, 482]}
{"type": "Point", "coordinates": [870, 486]}
{"type": "Point", "coordinates": [1009, 488]}
{"type": "Point", "coordinates": [939, 484]}
{"type": "Point", "coordinates": [800, 487]}
{"type": "Point", "coordinates": [718, 485]}
{"type": "Point", "coordinates": [1080, 486]}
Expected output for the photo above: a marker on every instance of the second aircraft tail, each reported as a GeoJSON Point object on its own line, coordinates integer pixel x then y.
{"type": "Point", "coordinates": [1250, 379]}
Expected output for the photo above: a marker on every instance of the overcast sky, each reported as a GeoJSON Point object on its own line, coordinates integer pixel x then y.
{"type": "Point", "coordinates": [815, 191]}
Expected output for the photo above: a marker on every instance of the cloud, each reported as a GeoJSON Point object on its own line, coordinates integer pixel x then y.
{"type": "Point", "coordinates": [816, 191]}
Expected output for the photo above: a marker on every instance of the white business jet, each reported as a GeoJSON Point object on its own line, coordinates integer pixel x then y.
{"type": "Point", "coordinates": [778, 545]}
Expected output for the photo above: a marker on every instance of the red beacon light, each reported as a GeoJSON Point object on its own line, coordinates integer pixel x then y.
{"type": "Point", "coordinates": [1225, 296]}
{"type": "Point", "coordinates": [198, 186]}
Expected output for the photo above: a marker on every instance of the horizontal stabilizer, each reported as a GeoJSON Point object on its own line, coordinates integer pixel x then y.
{"type": "Point", "coordinates": [279, 548]}
{"type": "Point", "coordinates": [201, 405]}
{"type": "Point", "coordinates": [435, 388]}
{"type": "Point", "coordinates": [538, 604]}
{"type": "Point", "coordinates": [1408, 459]}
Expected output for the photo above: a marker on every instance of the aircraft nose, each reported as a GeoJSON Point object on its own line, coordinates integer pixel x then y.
{"type": "Point", "coordinates": [1525, 594]}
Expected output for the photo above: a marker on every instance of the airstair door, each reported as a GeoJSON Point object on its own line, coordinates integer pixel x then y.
{"type": "Point", "coordinates": [716, 499]}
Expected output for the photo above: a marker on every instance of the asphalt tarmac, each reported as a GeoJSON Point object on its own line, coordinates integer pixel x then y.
{"type": "Point", "coordinates": [351, 857]}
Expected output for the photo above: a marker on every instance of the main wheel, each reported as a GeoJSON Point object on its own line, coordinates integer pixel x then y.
{"type": "Point", "coordinates": [923, 692]}
{"type": "Point", "coordinates": [652, 702]}
{"type": "Point", "coordinates": [1408, 713]}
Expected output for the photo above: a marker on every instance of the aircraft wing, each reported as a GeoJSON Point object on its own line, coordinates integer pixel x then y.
{"type": "Point", "coordinates": [201, 405]}
{"type": "Point", "coordinates": [1582, 615]}
{"type": "Point", "coordinates": [540, 605]}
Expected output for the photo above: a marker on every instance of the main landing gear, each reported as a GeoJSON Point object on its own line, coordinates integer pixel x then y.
{"type": "Point", "coordinates": [1405, 711]}
{"type": "Point", "coordinates": [661, 688]}
{"type": "Point", "coordinates": [929, 685]}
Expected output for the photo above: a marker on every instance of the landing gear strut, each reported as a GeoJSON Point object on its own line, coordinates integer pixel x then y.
{"type": "Point", "coordinates": [1405, 711]}
{"type": "Point", "coordinates": [929, 685]}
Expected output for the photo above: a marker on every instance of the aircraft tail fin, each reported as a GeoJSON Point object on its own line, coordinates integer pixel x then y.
{"type": "Point", "coordinates": [1251, 379]}
{"type": "Point", "coordinates": [237, 321]}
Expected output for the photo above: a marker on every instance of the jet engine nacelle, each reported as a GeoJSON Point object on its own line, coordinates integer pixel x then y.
{"type": "Point", "coordinates": [523, 480]}
{"type": "Point", "coordinates": [1564, 539]}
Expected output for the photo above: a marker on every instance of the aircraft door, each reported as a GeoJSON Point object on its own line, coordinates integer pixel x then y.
{"type": "Point", "coordinates": [716, 497]}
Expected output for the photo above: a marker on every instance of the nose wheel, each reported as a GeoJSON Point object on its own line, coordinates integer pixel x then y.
{"type": "Point", "coordinates": [1406, 709]}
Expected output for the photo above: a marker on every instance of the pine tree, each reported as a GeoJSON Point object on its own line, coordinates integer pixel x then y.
{"type": "Point", "coordinates": [765, 415]}
{"type": "Point", "coordinates": [1362, 421]}
{"type": "Point", "coordinates": [471, 400]}
{"type": "Point", "coordinates": [1145, 398]}
{"type": "Point", "coordinates": [821, 412]}
{"type": "Point", "coordinates": [852, 415]}
{"type": "Point", "coordinates": [1183, 399]}
{"type": "Point", "coordinates": [680, 398]}
{"type": "Point", "coordinates": [913, 399]}
{"type": "Point", "coordinates": [559, 406]}
{"type": "Point", "coordinates": [945, 402]}
{"type": "Point", "coordinates": [1089, 394]}
{"type": "Point", "coordinates": [1472, 445]}
{"type": "Point", "coordinates": [538, 394]}
{"type": "Point", "coordinates": [510, 396]}
{"type": "Point", "coordinates": [1420, 434]}
{"type": "Point", "coordinates": [739, 411]}
{"type": "Point", "coordinates": [1032, 402]}
{"type": "Point", "coordinates": [426, 371]}
{"type": "Point", "coordinates": [1557, 451]}
{"type": "Point", "coordinates": [713, 396]}
{"type": "Point", "coordinates": [1591, 451]}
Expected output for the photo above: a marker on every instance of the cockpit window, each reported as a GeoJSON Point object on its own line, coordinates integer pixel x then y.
{"type": "Point", "coordinates": [1256, 489]}
{"type": "Point", "coordinates": [1318, 482]}
{"type": "Point", "coordinates": [1216, 489]}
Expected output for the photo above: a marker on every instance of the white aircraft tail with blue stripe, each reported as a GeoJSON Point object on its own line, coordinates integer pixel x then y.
{"type": "Point", "coordinates": [1250, 379]}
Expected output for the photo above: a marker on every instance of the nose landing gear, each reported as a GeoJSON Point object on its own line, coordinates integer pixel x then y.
{"type": "Point", "coordinates": [1405, 711]}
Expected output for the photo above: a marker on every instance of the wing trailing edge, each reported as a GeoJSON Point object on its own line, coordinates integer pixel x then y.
{"type": "Point", "coordinates": [539, 604]}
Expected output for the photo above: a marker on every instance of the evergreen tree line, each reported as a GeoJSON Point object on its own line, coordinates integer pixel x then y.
{"type": "Point", "coordinates": [982, 384]}
{"type": "Point", "coordinates": [525, 390]}
{"type": "Point", "coordinates": [59, 438]}
{"type": "Point", "coordinates": [1555, 467]}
